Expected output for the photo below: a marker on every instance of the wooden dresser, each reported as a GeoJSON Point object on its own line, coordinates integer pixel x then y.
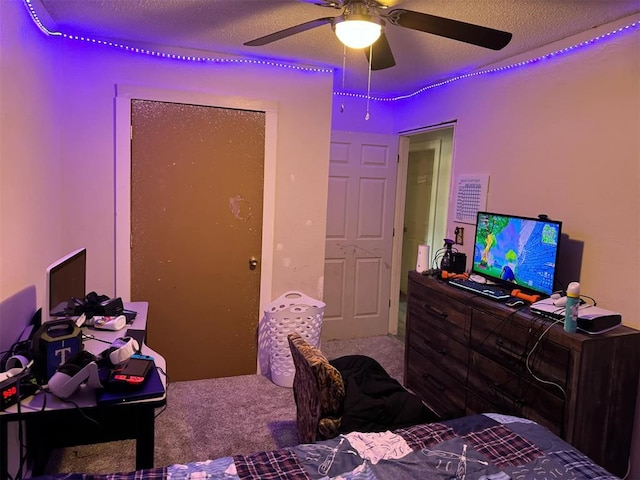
{"type": "Point", "coordinates": [466, 354]}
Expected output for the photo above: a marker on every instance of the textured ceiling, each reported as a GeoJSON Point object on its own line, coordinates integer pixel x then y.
{"type": "Point", "coordinates": [220, 27]}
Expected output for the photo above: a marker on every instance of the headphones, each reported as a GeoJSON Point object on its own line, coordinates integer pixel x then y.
{"type": "Point", "coordinates": [15, 365]}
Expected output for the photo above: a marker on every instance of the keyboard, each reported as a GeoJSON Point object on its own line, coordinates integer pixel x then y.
{"type": "Point", "coordinates": [489, 291]}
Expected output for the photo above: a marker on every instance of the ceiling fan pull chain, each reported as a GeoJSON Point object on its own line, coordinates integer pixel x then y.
{"type": "Point", "coordinates": [366, 117]}
{"type": "Point", "coordinates": [344, 69]}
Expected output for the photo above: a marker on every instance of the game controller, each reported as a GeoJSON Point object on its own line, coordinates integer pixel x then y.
{"type": "Point", "coordinates": [448, 275]}
{"type": "Point", "coordinates": [80, 368]}
{"type": "Point", "coordinates": [110, 323]}
{"type": "Point", "coordinates": [529, 298]}
{"type": "Point", "coordinates": [121, 350]}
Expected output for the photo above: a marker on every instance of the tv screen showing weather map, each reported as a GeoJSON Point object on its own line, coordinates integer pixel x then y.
{"type": "Point", "coordinates": [517, 252]}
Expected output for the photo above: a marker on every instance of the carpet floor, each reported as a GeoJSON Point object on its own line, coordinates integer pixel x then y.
{"type": "Point", "coordinates": [218, 417]}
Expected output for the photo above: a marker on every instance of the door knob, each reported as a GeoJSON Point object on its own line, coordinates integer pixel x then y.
{"type": "Point", "coordinates": [253, 263]}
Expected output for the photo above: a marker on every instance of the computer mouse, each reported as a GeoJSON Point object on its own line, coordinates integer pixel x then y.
{"type": "Point", "coordinates": [110, 323]}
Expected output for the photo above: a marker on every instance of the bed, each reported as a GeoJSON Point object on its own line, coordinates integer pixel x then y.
{"type": "Point", "coordinates": [483, 447]}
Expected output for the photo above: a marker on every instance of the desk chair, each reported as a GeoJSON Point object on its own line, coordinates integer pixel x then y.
{"type": "Point", "coordinates": [350, 393]}
{"type": "Point", "coordinates": [318, 390]}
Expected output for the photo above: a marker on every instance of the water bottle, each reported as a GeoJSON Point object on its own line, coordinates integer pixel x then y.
{"type": "Point", "coordinates": [571, 308]}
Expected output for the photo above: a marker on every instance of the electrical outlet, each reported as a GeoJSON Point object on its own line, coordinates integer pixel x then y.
{"type": "Point", "coordinates": [459, 233]}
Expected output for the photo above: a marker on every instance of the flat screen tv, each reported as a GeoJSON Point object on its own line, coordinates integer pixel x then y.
{"type": "Point", "coordinates": [66, 279]}
{"type": "Point", "coordinates": [517, 252]}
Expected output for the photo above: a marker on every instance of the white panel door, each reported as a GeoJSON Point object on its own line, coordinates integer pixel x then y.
{"type": "Point", "coordinates": [362, 182]}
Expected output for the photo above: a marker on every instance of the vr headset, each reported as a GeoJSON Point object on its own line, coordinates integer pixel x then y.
{"type": "Point", "coordinates": [84, 367]}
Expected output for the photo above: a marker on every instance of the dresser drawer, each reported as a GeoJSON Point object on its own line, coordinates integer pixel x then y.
{"type": "Point", "coordinates": [518, 344]}
{"type": "Point", "coordinates": [439, 347]}
{"type": "Point", "coordinates": [444, 394]}
{"type": "Point", "coordinates": [441, 312]}
{"type": "Point", "coordinates": [501, 390]}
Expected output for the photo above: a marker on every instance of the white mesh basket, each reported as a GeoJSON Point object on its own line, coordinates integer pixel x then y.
{"type": "Point", "coordinates": [291, 312]}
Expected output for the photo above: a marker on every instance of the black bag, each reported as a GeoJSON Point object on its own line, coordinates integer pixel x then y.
{"type": "Point", "coordinates": [95, 305]}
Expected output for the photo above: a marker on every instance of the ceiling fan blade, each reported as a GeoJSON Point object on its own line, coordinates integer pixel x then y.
{"type": "Point", "coordinates": [325, 3]}
{"type": "Point", "coordinates": [454, 29]}
{"type": "Point", "coordinates": [287, 32]}
{"type": "Point", "coordinates": [382, 55]}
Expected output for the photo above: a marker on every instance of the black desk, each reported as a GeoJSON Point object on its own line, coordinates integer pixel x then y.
{"type": "Point", "coordinates": [53, 423]}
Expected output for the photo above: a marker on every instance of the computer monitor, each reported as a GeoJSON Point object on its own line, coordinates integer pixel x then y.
{"type": "Point", "coordinates": [517, 252]}
{"type": "Point", "coordinates": [66, 279]}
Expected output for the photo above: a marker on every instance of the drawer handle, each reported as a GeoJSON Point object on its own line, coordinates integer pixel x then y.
{"type": "Point", "coordinates": [433, 381]}
{"type": "Point", "coordinates": [516, 401]}
{"type": "Point", "coordinates": [508, 352]}
{"type": "Point", "coordinates": [434, 311]}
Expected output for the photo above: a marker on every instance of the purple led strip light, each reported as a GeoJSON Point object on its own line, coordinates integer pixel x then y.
{"type": "Point", "coordinates": [563, 51]}
{"type": "Point", "coordinates": [600, 38]}
{"type": "Point", "coordinates": [172, 56]}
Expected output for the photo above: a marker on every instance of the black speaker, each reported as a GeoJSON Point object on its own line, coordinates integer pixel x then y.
{"type": "Point", "coordinates": [458, 262]}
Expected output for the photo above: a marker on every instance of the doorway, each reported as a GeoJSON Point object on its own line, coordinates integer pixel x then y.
{"type": "Point", "coordinates": [196, 212]}
{"type": "Point", "coordinates": [422, 201]}
{"type": "Point", "coordinates": [359, 239]}
{"type": "Point", "coordinates": [250, 205]}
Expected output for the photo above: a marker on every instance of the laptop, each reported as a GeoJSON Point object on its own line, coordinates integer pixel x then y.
{"type": "Point", "coordinates": [151, 388]}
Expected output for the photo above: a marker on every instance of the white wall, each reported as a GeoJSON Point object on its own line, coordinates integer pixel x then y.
{"type": "Point", "coordinates": [29, 174]}
{"type": "Point", "coordinates": [560, 137]}
{"type": "Point", "coordinates": [30, 160]}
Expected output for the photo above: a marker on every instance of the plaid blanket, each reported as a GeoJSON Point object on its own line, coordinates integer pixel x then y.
{"type": "Point", "coordinates": [482, 447]}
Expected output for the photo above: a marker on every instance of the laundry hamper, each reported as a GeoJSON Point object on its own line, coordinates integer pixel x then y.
{"type": "Point", "coordinates": [291, 312]}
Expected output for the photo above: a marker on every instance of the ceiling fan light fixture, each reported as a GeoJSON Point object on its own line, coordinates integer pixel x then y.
{"type": "Point", "coordinates": [358, 31]}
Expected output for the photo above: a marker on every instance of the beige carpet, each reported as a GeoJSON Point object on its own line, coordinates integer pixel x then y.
{"type": "Point", "coordinates": [218, 417]}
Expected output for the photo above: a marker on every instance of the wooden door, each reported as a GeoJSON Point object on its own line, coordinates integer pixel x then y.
{"type": "Point", "coordinates": [362, 182]}
{"type": "Point", "coordinates": [196, 217]}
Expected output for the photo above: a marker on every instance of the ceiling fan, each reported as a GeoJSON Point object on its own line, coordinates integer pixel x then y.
{"type": "Point", "coordinates": [366, 20]}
